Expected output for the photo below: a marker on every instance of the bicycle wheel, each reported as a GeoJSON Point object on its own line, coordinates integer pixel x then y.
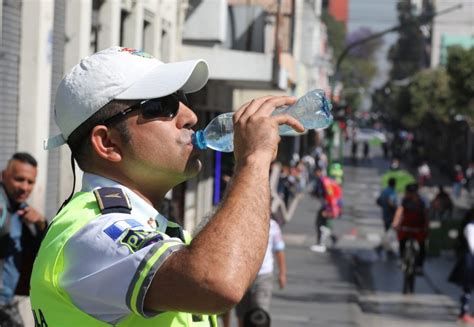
{"type": "Point", "coordinates": [409, 272]}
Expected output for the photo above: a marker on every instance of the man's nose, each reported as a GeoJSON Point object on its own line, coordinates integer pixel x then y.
{"type": "Point", "coordinates": [25, 186]}
{"type": "Point", "coordinates": [186, 117]}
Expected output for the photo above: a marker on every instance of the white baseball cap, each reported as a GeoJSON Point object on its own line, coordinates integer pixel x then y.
{"type": "Point", "coordinates": [122, 74]}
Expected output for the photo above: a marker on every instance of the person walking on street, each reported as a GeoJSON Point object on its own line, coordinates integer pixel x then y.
{"type": "Point", "coordinates": [319, 192]}
{"type": "Point", "coordinates": [366, 151]}
{"type": "Point", "coordinates": [109, 257]}
{"type": "Point", "coordinates": [459, 181]}
{"type": "Point", "coordinates": [329, 192]}
{"type": "Point", "coordinates": [389, 202]}
{"type": "Point", "coordinates": [424, 174]}
{"type": "Point", "coordinates": [21, 227]}
{"type": "Point", "coordinates": [354, 145]}
{"type": "Point", "coordinates": [411, 221]}
{"type": "Point", "coordinates": [463, 271]}
{"type": "Point", "coordinates": [259, 295]}
{"type": "Point", "coordinates": [441, 207]}
{"type": "Point", "coordinates": [469, 177]}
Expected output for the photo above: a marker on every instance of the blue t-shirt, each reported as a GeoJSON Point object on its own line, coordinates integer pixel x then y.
{"type": "Point", "coordinates": [10, 273]}
{"type": "Point", "coordinates": [389, 195]}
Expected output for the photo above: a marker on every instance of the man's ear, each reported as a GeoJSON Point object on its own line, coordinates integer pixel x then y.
{"type": "Point", "coordinates": [106, 143]}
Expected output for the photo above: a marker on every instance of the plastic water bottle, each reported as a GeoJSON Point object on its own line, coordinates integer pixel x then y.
{"type": "Point", "coordinates": [313, 110]}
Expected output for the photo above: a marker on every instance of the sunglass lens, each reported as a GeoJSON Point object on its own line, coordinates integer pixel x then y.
{"type": "Point", "coordinates": [166, 107]}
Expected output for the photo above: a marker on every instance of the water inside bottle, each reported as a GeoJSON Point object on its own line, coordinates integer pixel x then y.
{"type": "Point", "coordinates": [224, 143]}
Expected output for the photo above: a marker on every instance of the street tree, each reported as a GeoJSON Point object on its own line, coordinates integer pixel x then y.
{"type": "Point", "coordinates": [460, 68]}
{"type": "Point", "coordinates": [407, 54]}
{"type": "Point", "coordinates": [429, 93]}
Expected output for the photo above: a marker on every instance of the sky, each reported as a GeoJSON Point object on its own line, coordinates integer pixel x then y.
{"type": "Point", "coordinates": [377, 15]}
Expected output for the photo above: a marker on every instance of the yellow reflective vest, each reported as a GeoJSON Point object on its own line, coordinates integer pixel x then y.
{"type": "Point", "coordinates": [52, 305]}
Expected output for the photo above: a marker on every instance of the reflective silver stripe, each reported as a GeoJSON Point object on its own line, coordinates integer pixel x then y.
{"type": "Point", "coordinates": [147, 281]}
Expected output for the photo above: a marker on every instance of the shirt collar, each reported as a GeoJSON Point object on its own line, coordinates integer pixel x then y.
{"type": "Point", "coordinates": [140, 207]}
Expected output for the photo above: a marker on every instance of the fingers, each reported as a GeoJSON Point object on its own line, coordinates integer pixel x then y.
{"type": "Point", "coordinates": [291, 121]}
{"type": "Point", "coordinates": [265, 106]}
{"type": "Point", "coordinates": [30, 214]}
{"type": "Point", "coordinates": [256, 130]}
{"type": "Point", "coordinates": [248, 106]}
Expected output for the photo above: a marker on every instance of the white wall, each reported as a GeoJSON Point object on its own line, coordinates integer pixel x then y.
{"type": "Point", "coordinates": [1, 8]}
{"type": "Point", "coordinates": [78, 15]}
{"type": "Point", "coordinates": [109, 17]}
{"type": "Point", "coordinates": [35, 87]}
{"type": "Point", "coordinates": [207, 22]}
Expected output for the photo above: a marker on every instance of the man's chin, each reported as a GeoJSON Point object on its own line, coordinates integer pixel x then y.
{"type": "Point", "coordinates": [193, 167]}
{"type": "Point", "coordinates": [20, 199]}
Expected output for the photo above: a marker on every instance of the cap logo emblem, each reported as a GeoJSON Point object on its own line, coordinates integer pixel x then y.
{"type": "Point", "coordinates": [136, 52]}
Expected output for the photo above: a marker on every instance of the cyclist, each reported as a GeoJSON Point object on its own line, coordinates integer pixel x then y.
{"type": "Point", "coordinates": [411, 221]}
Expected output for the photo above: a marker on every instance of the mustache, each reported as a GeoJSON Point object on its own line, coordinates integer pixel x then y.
{"type": "Point", "coordinates": [185, 137]}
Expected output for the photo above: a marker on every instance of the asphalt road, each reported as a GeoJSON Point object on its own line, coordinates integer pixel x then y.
{"type": "Point", "coordinates": [354, 284]}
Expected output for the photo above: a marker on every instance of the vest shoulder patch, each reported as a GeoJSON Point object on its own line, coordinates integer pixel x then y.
{"type": "Point", "coordinates": [138, 239]}
{"type": "Point", "coordinates": [116, 229]}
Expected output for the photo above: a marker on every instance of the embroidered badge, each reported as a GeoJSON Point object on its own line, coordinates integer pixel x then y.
{"type": "Point", "coordinates": [136, 52]}
{"type": "Point", "coordinates": [138, 239]}
{"type": "Point", "coordinates": [115, 230]}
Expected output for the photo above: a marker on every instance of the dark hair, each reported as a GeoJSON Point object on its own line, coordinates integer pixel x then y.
{"type": "Point", "coordinates": [257, 317]}
{"type": "Point", "coordinates": [25, 158]}
{"type": "Point", "coordinates": [411, 188]}
{"type": "Point", "coordinates": [79, 141]}
{"type": "Point", "coordinates": [392, 182]}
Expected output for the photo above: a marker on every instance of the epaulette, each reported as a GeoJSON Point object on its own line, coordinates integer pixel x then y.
{"type": "Point", "coordinates": [112, 199]}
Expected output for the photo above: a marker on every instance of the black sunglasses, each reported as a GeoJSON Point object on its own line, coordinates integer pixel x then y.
{"type": "Point", "coordinates": [165, 107]}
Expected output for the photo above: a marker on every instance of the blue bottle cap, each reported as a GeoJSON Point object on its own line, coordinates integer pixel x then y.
{"type": "Point", "coordinates": [199, 140]}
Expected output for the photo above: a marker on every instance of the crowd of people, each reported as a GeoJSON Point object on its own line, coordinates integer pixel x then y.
{"type": "Point", "coordinates": [410, 218]}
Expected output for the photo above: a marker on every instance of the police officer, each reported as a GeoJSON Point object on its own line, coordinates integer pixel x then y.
{"type": "Point", "coordinates": [109, 257]}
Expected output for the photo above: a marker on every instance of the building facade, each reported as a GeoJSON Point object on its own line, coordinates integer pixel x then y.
{"type": "Point", "coordinates": [253, 48]}
{"type": "Point", "coordinates": [452, 28]}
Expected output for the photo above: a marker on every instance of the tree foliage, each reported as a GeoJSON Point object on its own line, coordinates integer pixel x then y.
{"type": "Point", "coordinates": [441, 93]}
{"type": "Point", "coordinates": [407, 53]}
{"type": "Point", "coordinates": [429, 94]}
{"type": "Point", "coordinates": [336, 32]}
{"type": "Point", "coordinates": [460, 68]}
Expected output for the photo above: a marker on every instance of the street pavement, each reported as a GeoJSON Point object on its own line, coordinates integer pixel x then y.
{"type": "Point", "coordinates": [377, 275]}
{"type": "Point", "coordinates": [354, 283]}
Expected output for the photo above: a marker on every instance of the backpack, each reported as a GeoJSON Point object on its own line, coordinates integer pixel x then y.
{"type": "Point", "coordinates": [380, 201]}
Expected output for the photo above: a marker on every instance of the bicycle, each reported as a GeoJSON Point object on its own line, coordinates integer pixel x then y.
{"type": "Point", "coordinates": [409, 260]}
